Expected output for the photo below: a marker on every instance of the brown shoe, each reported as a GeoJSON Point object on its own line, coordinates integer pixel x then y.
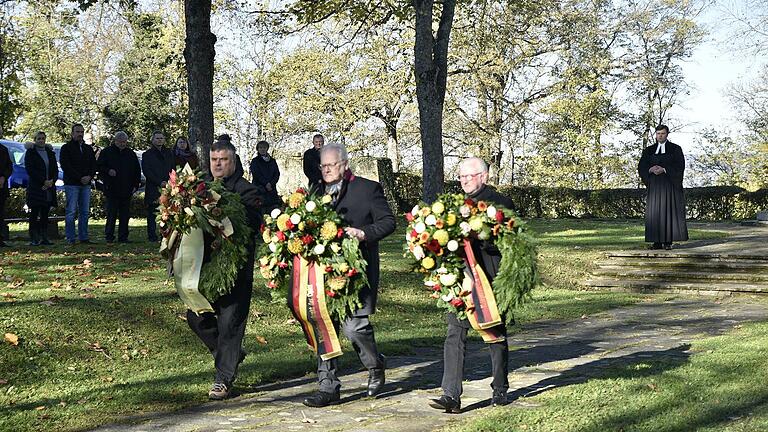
{"type": "Point", "coordinates": [218, 391]}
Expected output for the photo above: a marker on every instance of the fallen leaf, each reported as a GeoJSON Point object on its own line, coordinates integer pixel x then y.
{"type": "Point", "coordinates": [261, 340]}
{"type": "Point", "coordinates": [107, 379]}
{"type": "Point", "coordinates": [149, 312]}
{"type": "Point", "coordinates": [182, 317]}
{"type": "Point", "coordinates": [40, 408]}
{"type": "Point", "coordinates": [652, 386]}
{"type": "Point", "coordinates": [584, 317]}
{"type": "Point", "coordinates": [12, 339]}
{"type": "Point", "coordinates": [291, 321]}
{"type": "Point", "coordinates": [87, 296]}
{"type": "Point", "coordinates": [87, 263]}
{"type": "Point", "coordinates": [15, 283]}
{"type": "Point", "coordinates": [55, 284]}
{"type": "Point", "coordinates": [62, 404]}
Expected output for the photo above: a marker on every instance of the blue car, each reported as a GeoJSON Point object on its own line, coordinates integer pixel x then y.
{"type": "Point", "coordinates": [19, 177]}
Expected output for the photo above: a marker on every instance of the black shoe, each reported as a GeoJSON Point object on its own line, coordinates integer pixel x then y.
{"type": "Point", "coordinates": [668, 246]}
{"type": "Point", "coordinates": [322, 399]}
{"type": "Point", "coordinates": [499, 399]}
{"type": "Point", "coordinates": [656, 246]}
{"type": "Point", "coordinates": [124, 241]}
{"type": "Point", "coordinates": [110, 241]}
{"type": "Point", "coordinates": [449, 404]}
{"type": "Point", "coordinates": [376, 378]}
{"type": "Point", "coordinates": [45, 242]}
{"type": "Point", "coordinates": [86, 242]}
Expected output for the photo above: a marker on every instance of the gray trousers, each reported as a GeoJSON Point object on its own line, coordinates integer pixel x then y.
{"type": "Point", "coordinates": [455, 349]}
{"type": "Point", "coordinates": [360, 332]}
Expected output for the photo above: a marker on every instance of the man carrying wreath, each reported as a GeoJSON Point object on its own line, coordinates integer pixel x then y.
{"type": "Point", "coordinates": [473, 174]}
{"type": "Point", "coordinates": [222, 331]}
{"type": "Point", "coordinates": [361, 204]}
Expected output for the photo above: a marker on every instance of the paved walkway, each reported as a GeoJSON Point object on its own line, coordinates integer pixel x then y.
{"type": "Point", "coordinates": [545, 355]}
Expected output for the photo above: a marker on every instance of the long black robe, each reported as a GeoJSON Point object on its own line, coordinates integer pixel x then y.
{"type": "Point", "coordinates": [665, 209]}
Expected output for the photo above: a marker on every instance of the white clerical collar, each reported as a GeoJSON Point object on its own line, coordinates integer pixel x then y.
{"type": "Point", "coordinates": [661, 148]}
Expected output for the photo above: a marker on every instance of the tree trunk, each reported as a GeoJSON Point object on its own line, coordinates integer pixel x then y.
{"type": "Point", "coordinates": [393, 152]}
{"type": "Point", "coordinates": [430, 68]}
{"type": "Point", "coordinates": [199, 53]}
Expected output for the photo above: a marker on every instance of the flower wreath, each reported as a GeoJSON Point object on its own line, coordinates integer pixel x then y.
{"type": "Point", "coordinates": [308, 226]}
{"type": "Point", "coordinates": [434, 237]}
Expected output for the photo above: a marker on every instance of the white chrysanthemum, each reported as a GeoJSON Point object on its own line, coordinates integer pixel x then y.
{"type": "Point", "coordinates": [319, 248]}
{"type": "Point", "coordinates": [272, 247]}
{"type": "Point", "coordinates": [295, 218]}
{"type": "Point", "coordinates": [310, 206]}
{"type": "Point", "coordinates": [418, 253]}
{"type": "Point", "coordinates": [447, 297]}
{"type": "Point", "coordinates": [430, 220]}
{"type": "Point", "coordinates": [453, 245]}
{"type": "Point", "coordinates": [441, 270]}
{"type": "Point", "coordinates": [275, 213]}
{"type": "Point", "coordinates": [491, 212]}
{"type": "Point", "coordinates": [448, 279]}
{"type": "Point", "coordinates": [465, 228]}
{"type": "Point", "coordinates": [464, 211]}
{"type": "Point", "coordinates": [415, 210]}
{"type": "Point", "coordinates": [419, 227]}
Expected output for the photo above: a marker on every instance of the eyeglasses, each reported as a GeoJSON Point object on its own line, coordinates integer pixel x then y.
{"type": "Point", "coordinates": [330, 165]}
{"type": "Point", "coordinates": [469, 176]}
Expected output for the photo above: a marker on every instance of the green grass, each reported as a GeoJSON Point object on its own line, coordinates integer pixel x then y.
{"type": "Point", "coordinates": [720, 387]}
{"type": "Point", "coordinates": [104, 338]}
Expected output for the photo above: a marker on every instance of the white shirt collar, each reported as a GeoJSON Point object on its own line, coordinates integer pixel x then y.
{"type": "Point", "coordinates": [661, 148]}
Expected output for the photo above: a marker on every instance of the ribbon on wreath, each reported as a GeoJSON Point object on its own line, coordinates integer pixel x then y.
{"type": "Point", "coordinates": [482, 311]}
{"type": "Point", "coordinates": [307, 302]}
{"type": "Point", "coordinates": [187, 263]}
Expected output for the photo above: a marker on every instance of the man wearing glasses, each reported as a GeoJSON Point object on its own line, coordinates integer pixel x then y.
{"type": "Point", "coordinates": [473, 174]}
{"type": "Point", "coordinates": [362, 205]}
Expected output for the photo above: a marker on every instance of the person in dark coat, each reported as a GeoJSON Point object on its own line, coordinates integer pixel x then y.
{"type": "Point", "coordinates": [222, 331]}
{"type": "Point", "coordinates": [6, 169]}
{"type": "Point", "coordinates": [661, 169]}
{"type": "Point", "coordinates": [363, 207]}
{"type": "Point", "coordinates": [40, 161]}
{"type": "Point", "coordinates": [473, 174]}
{"type": "Point", "coordinates": [157, 163]}
{"type": "Point", "coordinates": [184, 154]}
{"type": "Point", "coordinates": [265, 174]}
{"type": "Point", "coordinates": [121, 173]}
{"type": "Point", "coordinates": [311, 162]}
{"type": "Point", "coordinates": [78, 162]}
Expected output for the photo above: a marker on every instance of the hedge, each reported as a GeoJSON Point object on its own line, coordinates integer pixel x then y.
{"type": "Point", "coordinates": [702, 203]}
{"type": "Point", "coordinates": [14, 208]}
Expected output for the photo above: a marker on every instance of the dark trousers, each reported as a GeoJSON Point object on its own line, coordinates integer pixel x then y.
{"type": "Point", "coordinates": [38, 222]}
{"type": "Point", "coordinates": [222, 331]}
{"type": "Point", "coordinates": [3, 199]}
{"type": "Point", "coordinates": [117, 209]}
{"type": "Point", "coordinates": [360, 332]}
{"type": "Point", "coordinates": [455, 349]}
{"type": "Point", "coordinates": [151, 222]}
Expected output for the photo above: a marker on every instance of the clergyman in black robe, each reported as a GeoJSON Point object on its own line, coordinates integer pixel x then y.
{"type": "Point", "coordinates": [661, 168]}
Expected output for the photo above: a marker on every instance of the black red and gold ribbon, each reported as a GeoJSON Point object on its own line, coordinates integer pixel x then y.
{"type": "Point", "coordinates": [307, 302]}
{"type": "Point", "coordinates": [482, 311]}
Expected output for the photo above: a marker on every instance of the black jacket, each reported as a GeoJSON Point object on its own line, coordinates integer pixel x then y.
{"type": "Point", "coordinates": [674, 163]}
{"type": "Point", "coordinates": [362, 204]}
{"type": "Point", "coordinates": [36, 196]}
{"type": "Point", "coordinates": [126, 164]}
{"type": "Point", "coordinates": [6, 168]}
{"type": "Point", "coordinates": [77, 164]}
{"type": "Point", "coordinates": [157, 165]}
{"type": "Point", "coordinates": [251, 199]}
{"type": "Point", "coordinates": [263, 172]}
{"type": "Point", "coordinates": [311, 162]}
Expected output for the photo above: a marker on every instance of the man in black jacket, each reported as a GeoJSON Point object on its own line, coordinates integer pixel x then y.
{"type": "Point", "coordinates": [311, 162]}
{"type": "Point", "coordinates": [361, 204]}
{"type": "Point", "coordinates": [157, 163]}
{"type": "Point", "coordinates": [78, 162]}
{"type": "Point", "coordinates": [473, 174]}
{"type": "Point", "coordinates": [6, 169]}
{"type": "Point", "coordinates": [222, 331]}
{"type": "Point", "coordinates": [120, 171]}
